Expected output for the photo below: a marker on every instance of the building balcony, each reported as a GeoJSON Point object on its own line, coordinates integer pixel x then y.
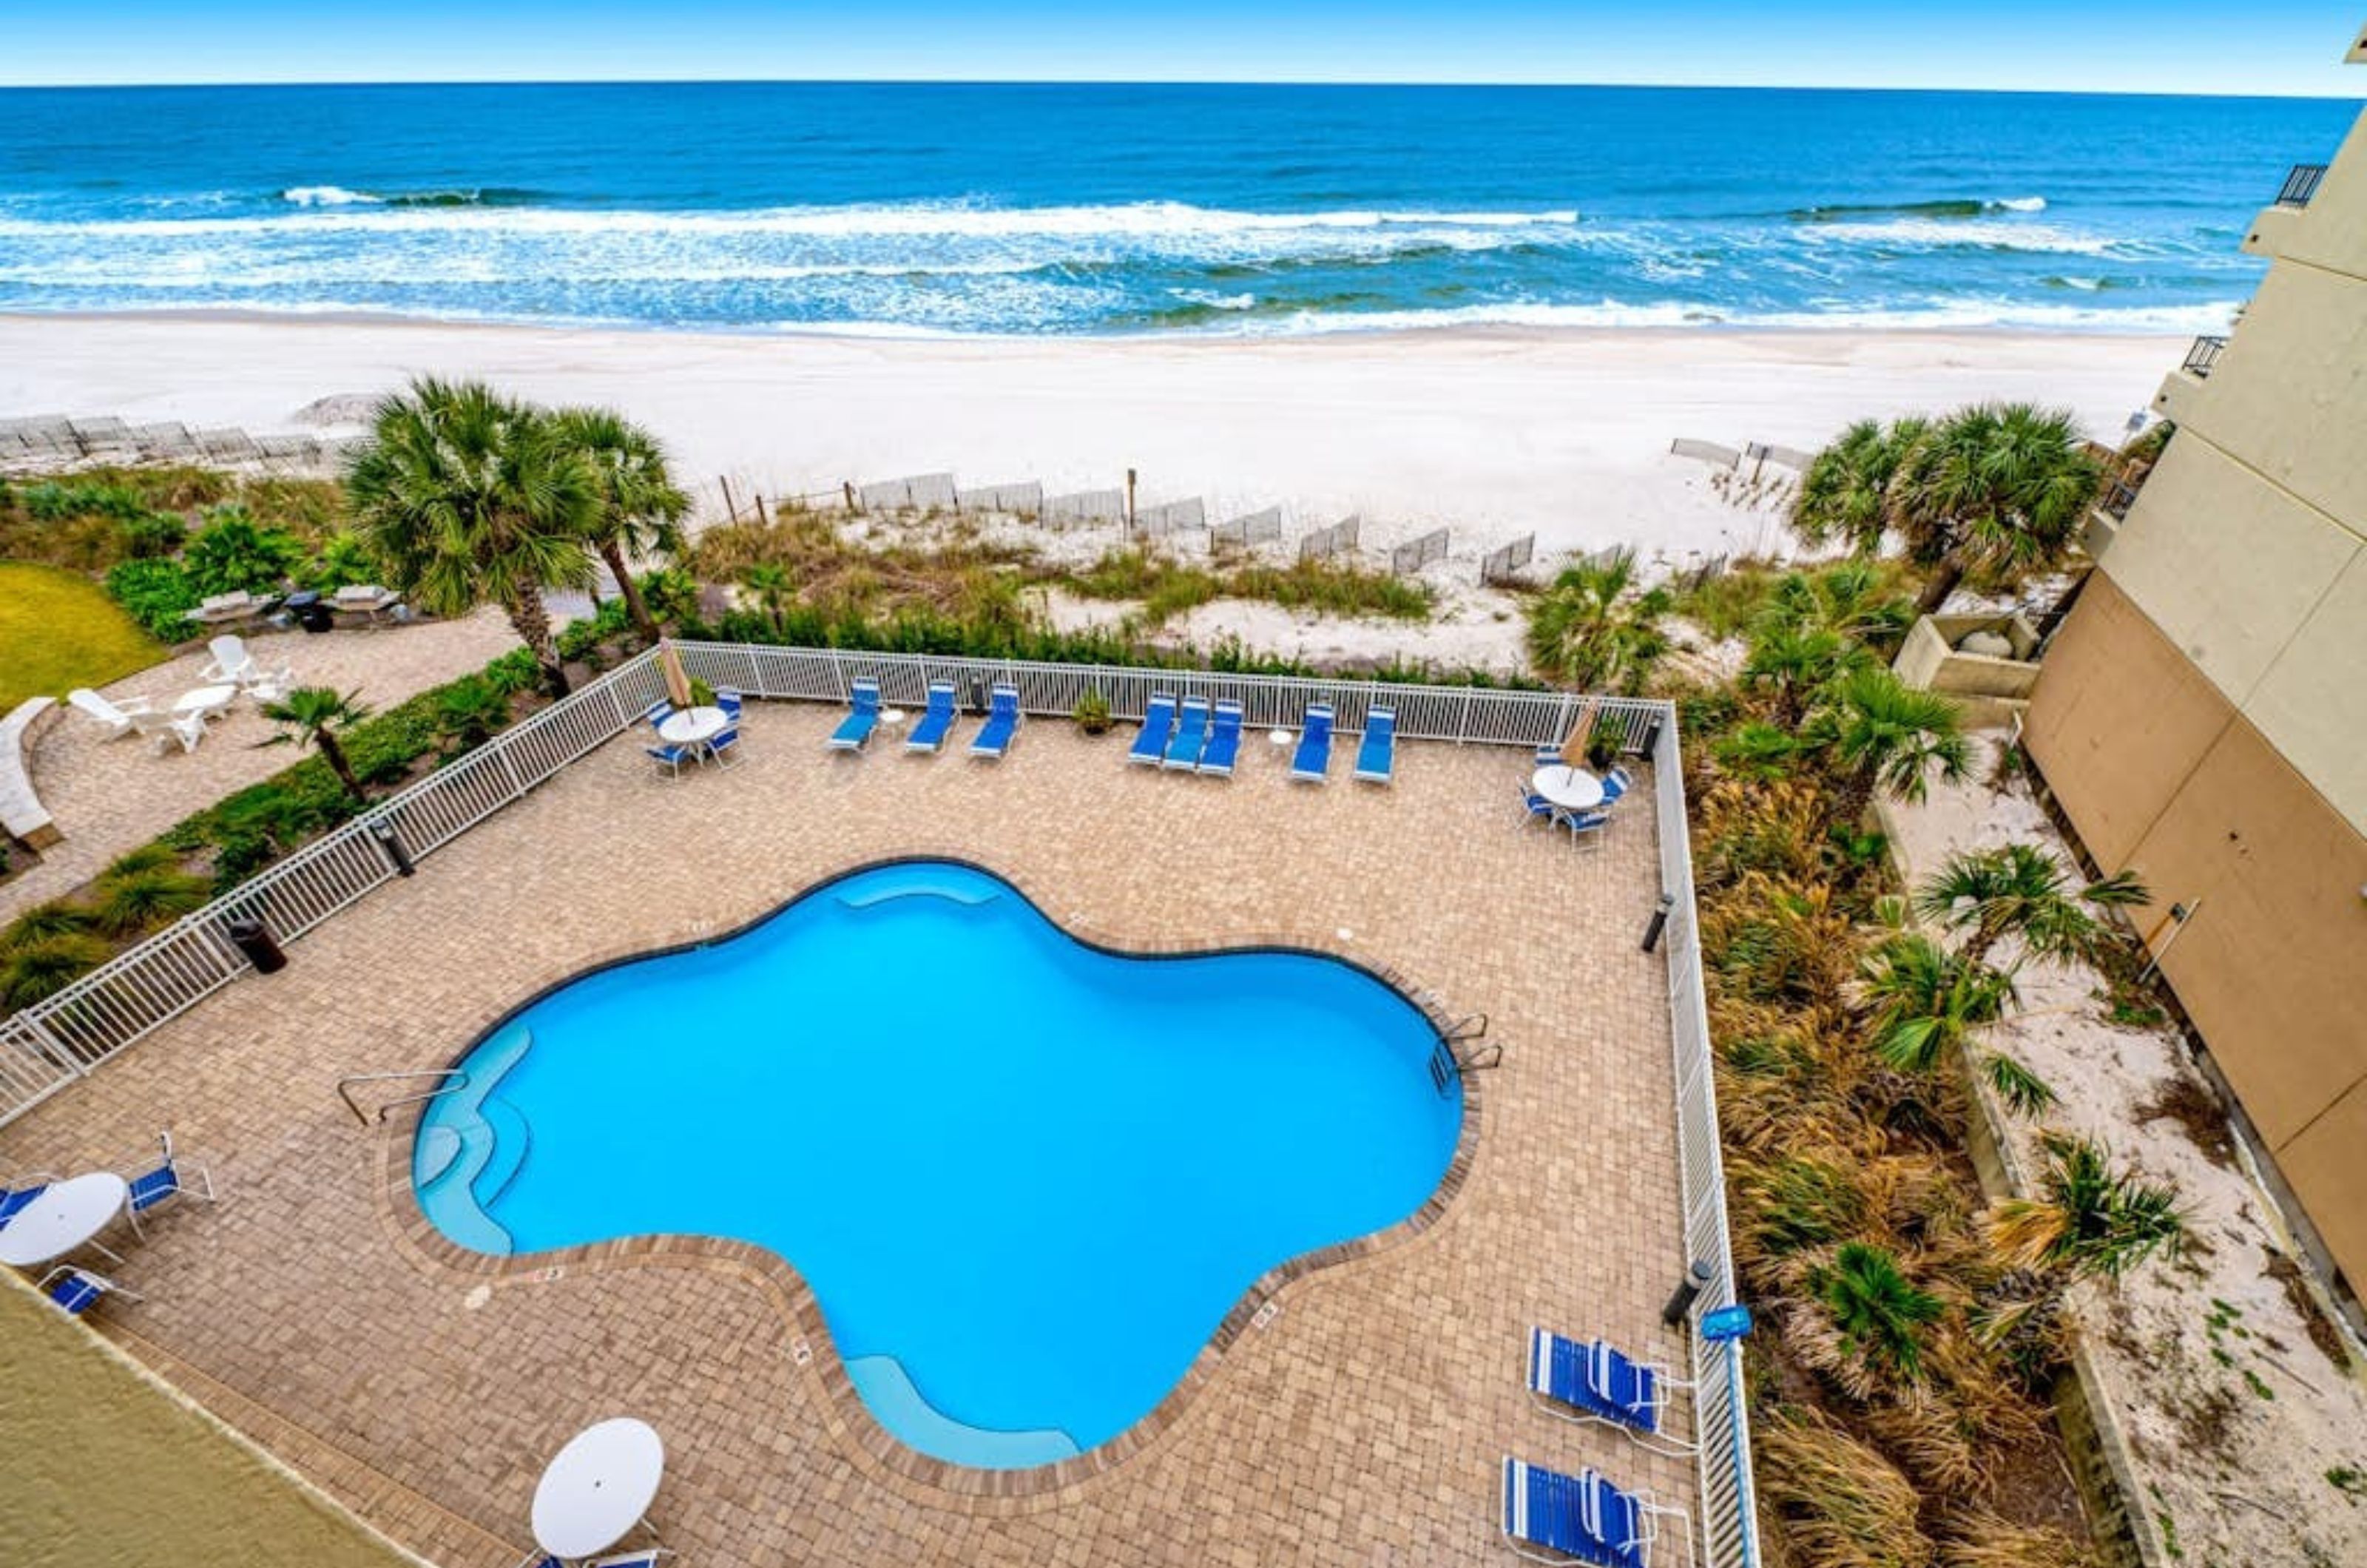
{"type": "Point", "coordinates": [2181, 387]}
{"type": "Point", "coordinates": [2300, 184]}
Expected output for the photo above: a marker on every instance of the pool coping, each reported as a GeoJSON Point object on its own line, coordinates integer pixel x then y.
{"type": "Point", "coordinates": [851, 1427]}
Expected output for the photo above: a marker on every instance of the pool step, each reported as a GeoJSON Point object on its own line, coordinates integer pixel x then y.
{"type": "Point", "coordinates": [471, 1148]}
{"type": "Point", "coordinates": [898, 1406]}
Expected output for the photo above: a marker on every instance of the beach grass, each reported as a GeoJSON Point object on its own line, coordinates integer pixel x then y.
{"type": "Point", "coordinates": [59, 631]}
{"type": "Point", "coordinates": [1169, 588]}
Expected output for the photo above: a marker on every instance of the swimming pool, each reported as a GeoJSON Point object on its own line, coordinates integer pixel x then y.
{"type": "Point", "coordinates": [1026, 1178]}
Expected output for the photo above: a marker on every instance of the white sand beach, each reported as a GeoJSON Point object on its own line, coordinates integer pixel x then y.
{"type": "Point", "coordinates": [1496, 433]}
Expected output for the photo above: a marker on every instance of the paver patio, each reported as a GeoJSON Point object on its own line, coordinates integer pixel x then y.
{"type": "Point", "coordinates": [109, 797]}
{"type": "Point", "coordinates": [1362, 1424]}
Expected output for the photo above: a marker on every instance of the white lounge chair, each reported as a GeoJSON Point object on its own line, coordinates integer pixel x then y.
{"type": "Point", "coordinates": [232, 662]}
{"type": "Point", "coordinates": [117, 714]}
{"type": "Point", "coordinates": [164, 728]}
{"type": "Point", "coordinates": [270, 685]}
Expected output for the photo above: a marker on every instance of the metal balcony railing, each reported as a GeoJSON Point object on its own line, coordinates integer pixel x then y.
{"type": "Point", "coordinates": [2203, 356]}
{"type": "Point", "coordinates": [2119, 500]}
{"type": "Point", "coordinates": [2300, 184]}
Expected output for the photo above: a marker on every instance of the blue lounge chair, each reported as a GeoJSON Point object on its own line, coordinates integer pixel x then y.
{"type": "Point", "coordinates": [1224, 740]}
{"type": "Point", "coordinates": [1592, 1380]}
{"type": "Point", "coordinates": [730, 701]}
{"type": "Point", "coordinates": [937, 722]}
{"type": "Point", "coordinates": [20, 1191]}
{"type": "Point", "coordinates": [862, 717]}
{"type": "Point", "coordinates": [1191, 734]}
{"type": "Point", "coordinates": [671, 758]}
{"type": "Point", "coordinates": [1312, 760]}
{"type": "Point", "coordinates": [163, 1182]}
{"type": "Point", "coordinates": [76, 1291]}
{"type": "Point", "coordinates": [1158, 723]}
{"type": "Point", "coordinates": [1002, 727]}
{"type": "Point", "coordinates": [1376, 754]}
{"type": "Point", "coordinates": [1553, 1518]}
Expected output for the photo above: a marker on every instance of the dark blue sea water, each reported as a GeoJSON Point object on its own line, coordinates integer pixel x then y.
{"type": "Point", "coordinates": [1015, 208]}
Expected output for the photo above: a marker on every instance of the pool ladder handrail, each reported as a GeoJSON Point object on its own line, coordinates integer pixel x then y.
{"type": "Point", "coordinates": [1462, 1031]}
{"type": "Point", "coordinates": [344, 1088]}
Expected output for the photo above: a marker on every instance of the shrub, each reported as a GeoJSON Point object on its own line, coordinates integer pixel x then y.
{"type": "Point", "coordinates": [33, 971]}
{"type": "Point", "coordinates": [342, 561]}
{"type": "Point", "coordinates": [1092, 715]}
{"type": "Point", "coordinates": [469, 711]}
{"type": "Point", "coordinates": [147, 538]}
{"type": "Point", "coordinates": [130, 903]}
{"type": "Point", "coordinates": [233, 553]}
{"type": "Point", "coordinates": [156, 593]}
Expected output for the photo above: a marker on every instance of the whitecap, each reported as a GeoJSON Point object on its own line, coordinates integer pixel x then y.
{"type": "Point", "coordinates": [328, 195]}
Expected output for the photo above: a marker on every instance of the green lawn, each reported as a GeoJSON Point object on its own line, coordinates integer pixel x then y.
{"type": "Point", "coordinates": [59, 631]}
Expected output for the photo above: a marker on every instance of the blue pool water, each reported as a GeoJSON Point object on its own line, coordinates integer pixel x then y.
{"type": "Point", "coordinates": [1026, 1178]}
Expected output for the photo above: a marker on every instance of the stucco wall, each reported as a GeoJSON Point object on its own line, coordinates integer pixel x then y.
{"type": "Point", "coordinates": [102, 1465]}
{"type": "Point", "coordinates": [2162, 775]}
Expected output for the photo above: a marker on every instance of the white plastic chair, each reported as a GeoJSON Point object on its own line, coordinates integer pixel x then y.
{"type": "Point", "coordinates": [232, 662]}
{"type": "Point", "coordinates": [164, 728]}
{"type": "Point", "coordinates": [117, 715]}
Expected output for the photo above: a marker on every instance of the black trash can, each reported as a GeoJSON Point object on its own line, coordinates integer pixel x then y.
{"type": "Point", "coordinates": [250, 938]}
{"type": "Point", "coordinates": [308, 611]}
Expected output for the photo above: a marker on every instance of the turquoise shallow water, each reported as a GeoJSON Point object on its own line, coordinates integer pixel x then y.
{"type": "Point", "coordinates": [1025, 1179]}
{"type": "Point", "coordinates": [1082, 208]}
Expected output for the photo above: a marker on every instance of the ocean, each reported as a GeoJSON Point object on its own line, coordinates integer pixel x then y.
{"type": "Point", "coordinates": [948, 209]}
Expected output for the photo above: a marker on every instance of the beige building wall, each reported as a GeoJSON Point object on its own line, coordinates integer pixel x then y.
{"type": "Point", "coordinates": [2202, 716]}
{"type": "Point", "coordinates": [101, 1464]}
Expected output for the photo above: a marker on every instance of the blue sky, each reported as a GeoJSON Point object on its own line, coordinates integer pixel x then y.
{"type": "Point", "coordinates": [2270, 46]}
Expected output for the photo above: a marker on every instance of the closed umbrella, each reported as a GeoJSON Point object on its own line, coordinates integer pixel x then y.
{"type": "Point", "coordinates": [677, 683]}
{"type": "Point", "coordinates": [1573, 750]}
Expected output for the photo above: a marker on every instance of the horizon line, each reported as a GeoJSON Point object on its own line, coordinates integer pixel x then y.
{"type": "Point", "coordinates": [1161, 82]}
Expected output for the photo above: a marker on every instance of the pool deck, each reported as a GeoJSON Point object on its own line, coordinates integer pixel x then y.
{"type": "Point", "coordinates": [1363, 1421]}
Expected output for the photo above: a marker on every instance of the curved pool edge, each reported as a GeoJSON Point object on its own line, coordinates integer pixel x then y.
{"type": "Point", "coordinates": [809, 1345]}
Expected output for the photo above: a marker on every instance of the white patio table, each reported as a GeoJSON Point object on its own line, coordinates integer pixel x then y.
{"type": "Point", "coordinates": [210, 701]}
{"type": "Point", "coordinates": [596, 1488]}
{"type": "Point", "coordinates": [693, 726]}
{"type": "Point", "coordinates": [67, 1214]}
{"type": "Point", "coordinates": [1572, 789]}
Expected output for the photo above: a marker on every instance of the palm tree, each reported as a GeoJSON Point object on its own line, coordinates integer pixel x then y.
{"type": "Point", "coordinates": [1843, 495]}
{"type": "Point", "coordinates": [1926, 1004]}
{"type": "Point", "coordinates": [2088, 1218]}
{"type": "Point", "coordinates": [2021, 890]}
{"type": "Point", "coordinates": [1991, 492]}
{"type": "Point", "coordinates": [1594, 628]}
{"type": "Point", "coordinates": [1888, 735]}
{"type": "Point", "coordinates": [1878, 1311]}
{"type": "Point", "coordinates": [640, 506]}
{"type": "Point", "coordinates": [315, 716]}
{"type": "Point", "coordinates": [1848, 598]}
{"type": "Point", "coordinates": [470, 497]}
{"type": "Point", "coordinates": [1795, 662]}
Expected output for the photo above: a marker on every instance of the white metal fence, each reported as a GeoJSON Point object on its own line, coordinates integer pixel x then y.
{"type": "Point", "coordinates": [48, 1045]}
{"type": "Point", "coordinates": [1729, 1522]}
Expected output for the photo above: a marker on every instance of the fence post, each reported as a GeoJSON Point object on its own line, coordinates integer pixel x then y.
{"type": "Point", "coordinates": [517, 784]}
